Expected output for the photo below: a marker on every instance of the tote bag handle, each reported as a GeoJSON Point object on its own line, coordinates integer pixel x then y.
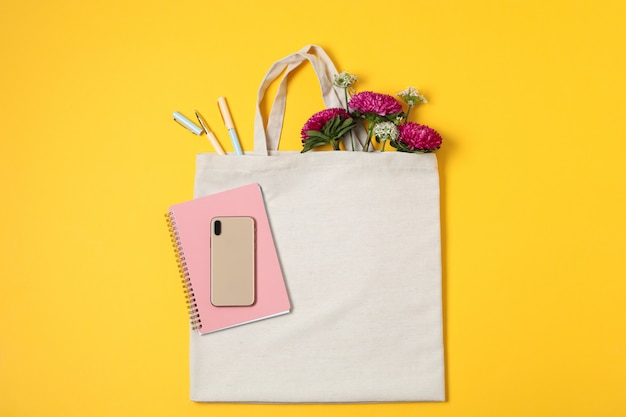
{"type": "Point", "coordinates": [267, 140]}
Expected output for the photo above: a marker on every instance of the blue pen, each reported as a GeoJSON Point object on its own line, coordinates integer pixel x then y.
{"type": "Point", "coordinates": [188, 124]}
{"type": "Point", "coordinates": [228, 122]}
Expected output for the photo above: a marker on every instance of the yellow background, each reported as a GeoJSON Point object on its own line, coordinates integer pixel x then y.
{"type": "Point", "coordinates": [528, 95]}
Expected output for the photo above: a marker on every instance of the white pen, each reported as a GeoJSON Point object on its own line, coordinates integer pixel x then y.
{"type": "Point", "coordinates": [210, 136]}
{"type": "Point", "coordinates": [228, 122]}
{"type": "Point", "coordinates": [188, 124]}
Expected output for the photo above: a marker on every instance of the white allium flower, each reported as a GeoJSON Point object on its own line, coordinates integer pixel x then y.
{"type": "Point", "coordinates": [411, 96]}
{"type": "Point", "coordinates": [386, 131]}
{"type": "Point", "coordinates": [344, 79]}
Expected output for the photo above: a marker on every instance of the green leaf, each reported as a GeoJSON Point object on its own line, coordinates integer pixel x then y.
{"type": "Point", "coordinates": [316, 141]}
{"type": "Point", "coordinates": [329, 127]}
{"type": "Point", "coordinates": [400, 146]}
{"type": "Point", "coordinates": [345, 127]}
{"type": "Point", "coordinates": [392, 117]}
{"type": "Point", "coordinates": [316, 134]}
{"type": "Point", "coordinates": [312, 143]}
{"type": "Point", "coordinates": [347, 122]}
{"type": "Point", "coordinates": [342, 132]}
{"type": "Point", "coordinates": [307, 147]}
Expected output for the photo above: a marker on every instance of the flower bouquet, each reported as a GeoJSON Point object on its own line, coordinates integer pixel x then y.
{"type": "Point", "coordinates": [383, 117]}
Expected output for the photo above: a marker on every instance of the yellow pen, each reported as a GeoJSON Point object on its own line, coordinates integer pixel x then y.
{"type": "Point", "coordinates": [230, 126]}
{"type": "Point", "coordinates": [209, 134]}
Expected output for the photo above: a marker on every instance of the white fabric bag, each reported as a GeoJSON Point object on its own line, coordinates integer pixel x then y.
{"type": "Point", "coordinates": [358, 236]}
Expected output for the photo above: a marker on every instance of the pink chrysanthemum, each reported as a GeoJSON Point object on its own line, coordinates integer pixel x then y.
{"type": "Point", "coordinates": [319, 120]}
{"type": "Point", "coordinates": [419, 137]}
{"type": "Point", "coordinates": [376, 103]}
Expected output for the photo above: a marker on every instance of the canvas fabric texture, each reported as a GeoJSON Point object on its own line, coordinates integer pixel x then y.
{"type": "Point", "coordinates": [358, 237]}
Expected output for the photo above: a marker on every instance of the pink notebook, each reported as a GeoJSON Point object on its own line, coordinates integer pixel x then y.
{"type": "Point", "coordinates": [190, 225]}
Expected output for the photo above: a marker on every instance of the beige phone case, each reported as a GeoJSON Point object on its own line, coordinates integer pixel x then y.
{"type": "Point", "coordinates": [232, 261]}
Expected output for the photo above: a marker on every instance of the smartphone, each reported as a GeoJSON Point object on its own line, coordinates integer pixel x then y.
{"type": "Point", "coordinates": [233, 247]}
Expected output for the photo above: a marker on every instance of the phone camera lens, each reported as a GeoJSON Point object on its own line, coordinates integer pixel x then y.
{"type": "Point", "coordinates": [218, 227]}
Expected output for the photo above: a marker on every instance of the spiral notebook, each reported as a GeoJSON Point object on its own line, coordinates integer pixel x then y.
{"type": "Point", "coordinates": [190, 229]}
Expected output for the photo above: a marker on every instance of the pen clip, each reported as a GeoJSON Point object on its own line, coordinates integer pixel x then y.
{"type": "Point", "coordinates": [203, 123]}
{"type": "Point", "coordinates": [210, 136]}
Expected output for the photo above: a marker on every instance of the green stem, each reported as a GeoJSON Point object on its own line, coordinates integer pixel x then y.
{"type": "Point", "coordinates": [369, 136]}
{"type": "Point", "coordinates": [383, 148]}
{"type": "Point", "coordinates": [345, 90]}
{"type": "Point", "coordinates": [408, 111]}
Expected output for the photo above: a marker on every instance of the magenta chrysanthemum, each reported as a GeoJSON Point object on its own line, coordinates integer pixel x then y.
{"type": "Point", "coordinates": [319, 120]}
{"type": "Point", "coordinates": [419, 137]}
{"type": "Point", "coordinates": [376, 103]}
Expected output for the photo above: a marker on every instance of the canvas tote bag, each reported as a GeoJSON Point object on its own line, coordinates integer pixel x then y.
{"type": "Point", "coordinates": [358, 236]}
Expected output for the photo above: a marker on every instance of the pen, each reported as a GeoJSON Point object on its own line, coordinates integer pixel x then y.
{"type": "Point", "coordinates": [210, 136]}
{"type": "Point", "coordinates": [188, 124]}
{"type": "Point", "coordinates": [228, 122]}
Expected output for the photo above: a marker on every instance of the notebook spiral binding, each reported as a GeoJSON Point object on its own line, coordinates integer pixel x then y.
{"type": "Point", "coordinates": [192, 305]}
